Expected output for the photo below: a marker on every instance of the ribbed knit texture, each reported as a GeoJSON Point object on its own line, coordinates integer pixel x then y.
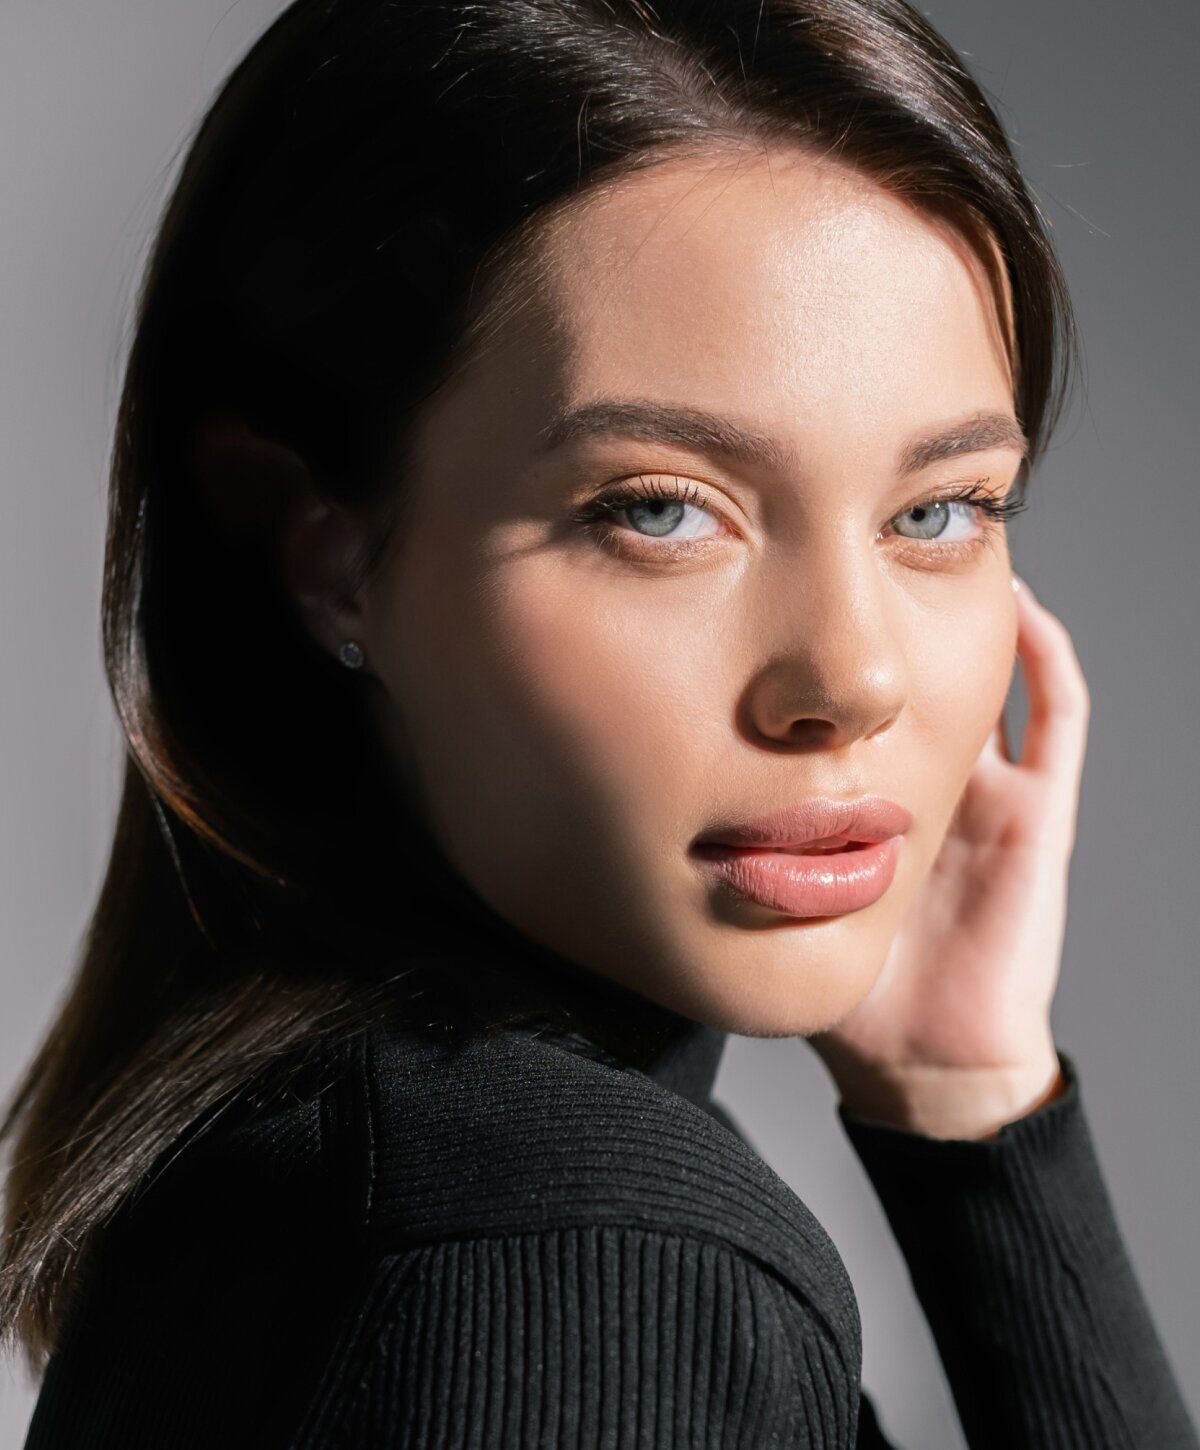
{"type": "Point", "coordinates": [581, 1336]}
{"type": "Point", "coordinates": [1021, 1270]}
{"type": "Point", "coordinates": [520, 1245]}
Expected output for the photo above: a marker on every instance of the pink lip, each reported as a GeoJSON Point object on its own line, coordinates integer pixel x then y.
{"type": "Point", "coordinates": [800, 885]}
{"type": "Point", "coordinates": [764, 860]}
{"type": "Point", "coordinates": [865, 818]}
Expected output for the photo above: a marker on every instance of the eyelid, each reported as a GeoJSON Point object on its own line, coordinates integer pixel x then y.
{"type": "Point", "coordinates": [621, 491]}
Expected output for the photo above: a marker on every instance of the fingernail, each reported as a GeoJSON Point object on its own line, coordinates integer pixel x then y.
{"type": "Point", "coordinates": [1016, 583]}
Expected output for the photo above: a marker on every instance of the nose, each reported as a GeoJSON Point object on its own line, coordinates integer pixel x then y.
{"type": "Point", "coordinates": [835, 670]}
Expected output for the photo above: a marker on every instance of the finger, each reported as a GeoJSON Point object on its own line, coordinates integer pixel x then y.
{"type": "Point", "coordinates": [1059, 701]}
{"type": "Point", "coordinates": [1000, 739]}
{"type": "Point", "coordinates": [995, 747]}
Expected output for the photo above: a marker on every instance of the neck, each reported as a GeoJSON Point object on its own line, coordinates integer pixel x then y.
{"type": "Point", "coordinates": [680, 1053]}
{"type": "Point", "coordinates": [506, 972]}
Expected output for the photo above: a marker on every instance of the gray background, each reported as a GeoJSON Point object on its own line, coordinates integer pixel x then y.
{"type": "Point", "coordinates": [97, 97]}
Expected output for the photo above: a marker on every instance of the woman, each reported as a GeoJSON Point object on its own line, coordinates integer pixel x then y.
{"type": "Point", "coordinates": [559, 495]}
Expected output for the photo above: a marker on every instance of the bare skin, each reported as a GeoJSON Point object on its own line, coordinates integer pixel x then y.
{"type": "Point", "coordinates": [579, 701]}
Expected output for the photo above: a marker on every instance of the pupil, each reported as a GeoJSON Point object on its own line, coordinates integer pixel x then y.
{"type": "Point", "coordinates": [929, 513]}
{"type": "Point", "coordinates": [663, 515]}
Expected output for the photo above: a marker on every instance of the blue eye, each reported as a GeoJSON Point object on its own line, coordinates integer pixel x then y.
{"type": "Point", "coordinates": [659, 510]}
{"type": "Point", "coordinates": [656, 511]}
{"type": "Point", "coordinates": [933, 520]}
{"type": "Point", "coordinates": [933, 517]}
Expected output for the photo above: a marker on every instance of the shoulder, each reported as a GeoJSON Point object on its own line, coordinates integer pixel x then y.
{"type": "Point", "coordinates": [516, 1134]}
{"type": "Point", "coordinates": [564, 1252]}
{"type": "Point", "coordinates": [581, 1336]}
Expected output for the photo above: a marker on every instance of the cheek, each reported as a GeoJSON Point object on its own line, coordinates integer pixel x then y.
{"type": "Point", "coordinates": [611, 686]}
{"type": "Point", "coordinates": [532, 699]}
{"type": "Point", "coordinates": [962, 668]}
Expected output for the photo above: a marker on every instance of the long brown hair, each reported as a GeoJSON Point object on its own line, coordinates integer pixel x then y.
{"type": "Point", "coordinates": [353, 214]}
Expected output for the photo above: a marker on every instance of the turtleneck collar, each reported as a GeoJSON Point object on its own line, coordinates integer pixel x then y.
{"type": "Point", "coordinates": [680, 1053]}
{"type": "Point", "coordinates": [503, 969]}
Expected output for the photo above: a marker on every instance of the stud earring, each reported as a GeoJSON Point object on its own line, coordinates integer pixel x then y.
{"type": "Point", "coordinates": [351, 654]}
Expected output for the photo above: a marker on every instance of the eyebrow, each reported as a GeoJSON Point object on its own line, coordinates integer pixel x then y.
{"type": "Point", "coordinates": [709, 433]}
{"type": "Point", "coordinates": [975, 434]}
{"type": "Point", "coordinates": [659, 423]}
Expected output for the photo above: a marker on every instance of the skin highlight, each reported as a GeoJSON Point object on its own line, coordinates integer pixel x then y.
{"type": "Point", "coordinates": [578, 700]}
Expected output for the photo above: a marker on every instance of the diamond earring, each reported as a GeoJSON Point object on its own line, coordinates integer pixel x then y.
{"type": "Point", "coordinates": [351, 655]}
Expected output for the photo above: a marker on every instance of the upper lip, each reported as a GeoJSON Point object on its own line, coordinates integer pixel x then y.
{"type": "Point", "coordinates": [867, 818]}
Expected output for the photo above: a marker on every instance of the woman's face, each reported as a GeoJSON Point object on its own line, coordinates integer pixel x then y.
{"type": "Point", "coordinates": [581, 699]}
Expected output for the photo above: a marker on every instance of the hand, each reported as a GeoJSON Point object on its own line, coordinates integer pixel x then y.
{"type": "Point", "coordinates": [954, 1039]}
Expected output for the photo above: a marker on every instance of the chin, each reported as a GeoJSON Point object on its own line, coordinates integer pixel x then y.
{"type": "Point", "coordinates": [784, 982]}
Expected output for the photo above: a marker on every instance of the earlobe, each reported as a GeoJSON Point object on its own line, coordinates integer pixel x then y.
{"type": "Point", "coordinates": [318, 544]}
{"type": "Point", "coordinates": [261, 495]}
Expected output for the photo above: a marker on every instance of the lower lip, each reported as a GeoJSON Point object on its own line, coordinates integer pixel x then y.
{"type": "Point", "coordinates": [830, 884]}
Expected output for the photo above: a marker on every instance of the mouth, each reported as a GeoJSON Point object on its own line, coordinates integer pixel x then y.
{"type": "Point", "coordinates": [819, 826]}
{"type": "Point", "coordinates": [815, 859]}
{"type": "Point", "coordinates": [817, 879]}
{"type": "Point", "coordinates": [829, 846]}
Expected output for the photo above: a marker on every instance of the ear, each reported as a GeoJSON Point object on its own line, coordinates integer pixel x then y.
{"type": "Point", "coordinates": [260, 492]}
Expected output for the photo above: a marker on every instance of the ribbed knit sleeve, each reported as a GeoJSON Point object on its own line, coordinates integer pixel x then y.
{"type": "Point", "coordinates": [1020, 1267]}
{"type": "Point", "coordinates": [616, 1336]}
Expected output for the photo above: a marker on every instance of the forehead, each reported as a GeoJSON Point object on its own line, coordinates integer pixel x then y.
{"type": "Point", "coordinates": [775, 281]}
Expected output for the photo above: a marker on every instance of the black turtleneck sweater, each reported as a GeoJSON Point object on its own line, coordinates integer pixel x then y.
{"type": "Point", "coordinates": [553, 1237]}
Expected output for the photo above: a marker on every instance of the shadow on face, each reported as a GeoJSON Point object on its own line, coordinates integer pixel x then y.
{"type": "Point", "coordinates": [681, 555]}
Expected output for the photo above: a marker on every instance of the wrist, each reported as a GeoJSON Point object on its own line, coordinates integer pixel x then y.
{"type": "Point", "coordinates": [939, 1102]}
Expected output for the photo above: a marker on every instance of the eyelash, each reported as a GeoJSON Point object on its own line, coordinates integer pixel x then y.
{"type": "Point", "coordinates": [597, 514]}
